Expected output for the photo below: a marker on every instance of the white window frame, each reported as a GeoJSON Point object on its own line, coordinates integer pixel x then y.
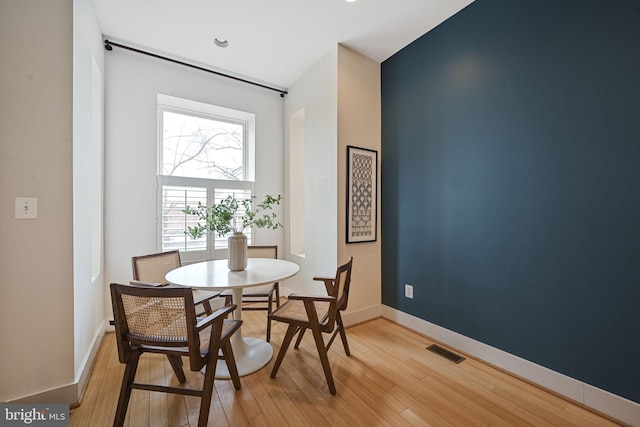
{"type": "Point", "coordinates": [199, 109]}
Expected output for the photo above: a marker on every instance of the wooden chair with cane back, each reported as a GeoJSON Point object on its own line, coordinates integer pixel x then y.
{"type": "Point", "coordinates": [320, 314]}
{"type": "Point", "coordinates": [163, 320]}
{"type": "Point", "coordinates": [150, 270]}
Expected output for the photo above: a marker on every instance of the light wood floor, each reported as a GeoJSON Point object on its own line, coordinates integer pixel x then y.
{"type": "Point", "coordinates": [389, 380]}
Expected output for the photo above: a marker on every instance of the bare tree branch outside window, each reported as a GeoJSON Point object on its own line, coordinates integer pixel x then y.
{"type": "Point", "coordinates": [197, 147]}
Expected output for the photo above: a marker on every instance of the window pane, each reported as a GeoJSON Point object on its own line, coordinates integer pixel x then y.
{"type": "Point", "coordinates": [198, 147]}
{"type": "Point", "coordinates": [221, 193]}
{"type": "Point", "coordinates": [175, 221]}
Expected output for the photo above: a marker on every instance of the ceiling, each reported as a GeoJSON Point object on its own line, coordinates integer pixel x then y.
{"type": "Point", "coordinates": [272, 42]}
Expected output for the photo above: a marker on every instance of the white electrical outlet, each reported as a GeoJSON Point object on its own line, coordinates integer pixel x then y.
{"type": "Point", "coordinates": [408, 291]}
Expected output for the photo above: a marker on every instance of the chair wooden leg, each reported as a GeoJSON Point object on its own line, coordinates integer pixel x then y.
{"type": "Point", "coordinates": [207, 389]}
{"type": "Point", "coordinates": [227, 352]}
{"type": "Point", "coordinates": [343, 334]}
{"type": "Point", "coordinates": [207, 307]}
{"type": "Point", "coordinates": [291, 331]}
{"type": "Point", "coordinates": [269, 310]}
{"type": "Point", "coordinates": [299, 339]}
{"type": "Point", "coordinates": [228, 300]}
{"type": "Point", "coordinates": [324, 358]}
{"type": "Point", "coordinates": [268, 329]}
{"type": "Point", "coordinates": [277, 286]}
{"type": "Point", "coordinates": [125, 390]}
{"type": "Point", "coordinates": [176, 364]}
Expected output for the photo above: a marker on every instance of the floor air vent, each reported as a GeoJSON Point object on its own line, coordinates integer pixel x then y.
{"type": "Point", "coordinates": [445, 353]}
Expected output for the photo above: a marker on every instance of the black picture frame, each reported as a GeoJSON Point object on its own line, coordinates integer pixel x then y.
{"type": "Point", "coordinates": [362, 195]}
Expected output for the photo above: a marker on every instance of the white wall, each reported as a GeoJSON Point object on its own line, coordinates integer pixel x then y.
{"type": "Point", "coordinates": [132, 84]}
{"type": "Point", "coordinates": [316, 92]}
{"type": "Point", "coordinates": [36, 293]}
{"type": "Point", "coordinates": [340, 95]}
{"type": "Point", "coordinates": [359, 124]}
{"type": "Point", "coordinates": [88, 87]}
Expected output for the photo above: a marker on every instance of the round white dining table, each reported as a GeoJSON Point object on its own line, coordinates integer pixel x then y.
{"type": "Point", "coordinates": [251, 354]}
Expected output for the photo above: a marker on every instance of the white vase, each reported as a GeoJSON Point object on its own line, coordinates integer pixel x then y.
{"type": "Point", "coordinates": [237, 244]}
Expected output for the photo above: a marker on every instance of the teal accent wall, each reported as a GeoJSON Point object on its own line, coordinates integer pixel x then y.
{"type": "Point", "coordinates": [511, 183]}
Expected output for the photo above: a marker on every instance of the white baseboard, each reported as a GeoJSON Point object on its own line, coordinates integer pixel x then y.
{"type": "Point", "coordinates": [68, 394]}
{"type": "Point", "coordinates": [82, 376]}
{"type": "Point", "coordinates": [601, 401]}
{"type": "Point", "coordinates": [108, 327]}
{"type": "Point", "coordinates": [351, 318]}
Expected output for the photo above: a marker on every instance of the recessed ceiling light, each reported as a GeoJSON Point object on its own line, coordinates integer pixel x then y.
{"type": "Point", "coordinates": [350, 1]}
{"type": "Point", "coordinates": [220, 42]}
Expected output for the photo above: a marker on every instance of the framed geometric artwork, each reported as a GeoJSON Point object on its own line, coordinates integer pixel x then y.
{"type": "Point", "coordinates": [362, 195]}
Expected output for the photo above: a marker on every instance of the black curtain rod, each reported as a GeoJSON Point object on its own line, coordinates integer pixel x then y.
{"type": "Point", "coordinates": [108, 45]}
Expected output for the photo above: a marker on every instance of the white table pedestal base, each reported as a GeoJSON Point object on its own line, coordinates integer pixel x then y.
{"type": "Point", "coordinates": [251, 355]}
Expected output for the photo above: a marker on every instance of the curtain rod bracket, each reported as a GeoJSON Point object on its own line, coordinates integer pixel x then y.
{"type": "Point", "coordinates": [108, 45]}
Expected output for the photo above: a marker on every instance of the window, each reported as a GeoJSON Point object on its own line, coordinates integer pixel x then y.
{"type": "Point", "coordinates": [205, 154]}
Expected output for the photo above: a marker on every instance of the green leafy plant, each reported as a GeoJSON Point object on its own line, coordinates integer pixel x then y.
{"type": "Point", "coordinates": [233, 215]}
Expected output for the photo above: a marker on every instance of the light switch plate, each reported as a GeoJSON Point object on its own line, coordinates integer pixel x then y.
{"type": "Point", "coordinates": [26, 207]}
